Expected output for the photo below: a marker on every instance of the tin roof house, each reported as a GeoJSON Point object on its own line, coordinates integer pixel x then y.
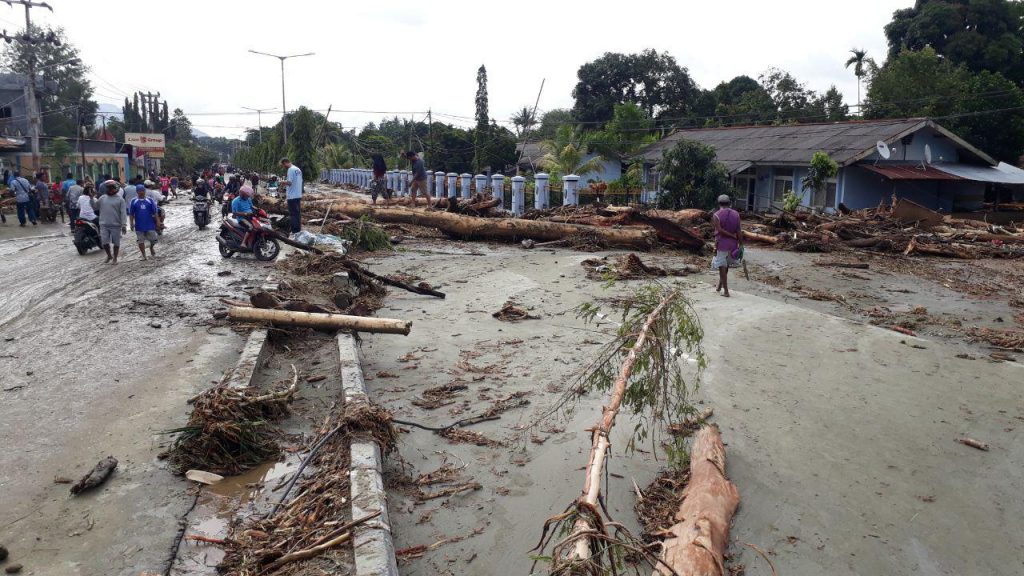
{"type": "Point", "coordinates": [917, 159]}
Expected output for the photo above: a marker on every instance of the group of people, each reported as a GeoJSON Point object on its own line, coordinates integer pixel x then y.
{"type": "Point", "coordinates": [135, 205]}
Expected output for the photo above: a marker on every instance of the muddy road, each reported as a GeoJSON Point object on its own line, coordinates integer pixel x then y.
{"type": "Point", "coordinates": [98, 360]}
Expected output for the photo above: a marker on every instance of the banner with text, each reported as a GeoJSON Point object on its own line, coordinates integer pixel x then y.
{"type": "Point", "coordinates": [144, 140]}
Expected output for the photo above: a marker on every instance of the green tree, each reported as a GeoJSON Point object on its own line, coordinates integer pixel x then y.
{"type": "Point", "coordinates": [691, 176]}
{"type": "Point", "coordinates": [116, 127]}
{"type": "Point", "coordinates": [741, 100]}
{"type": "Point", "coordinates": [821, 170]}
{"type": "Point", "coordinates": [655, 82]}
{"type": "Point", "coordinates": [301, 141]}
{"type": "Point", "coordinates": [980, 34]}
{"type": "Point", "coordinates": [551, 121]}
{"type": "Point", "coordinates": [859, 60]}
{"type": "Point", "coordinates": [72, 104]}
{"type": "Point", "coordinates": [986, 108]}
{"type": "Point", "coordinates": [629, 130]}
{"type": "Point", "coordinates": [567, 152]}
{"type": "Point", "coordinates": [58, 150]}
{"type": "Point", "coordinates": [483, 121]}
{"type": "Point", "coordinates": [180, 127]}
{"type": "Point", "coordinates": [523, 120]}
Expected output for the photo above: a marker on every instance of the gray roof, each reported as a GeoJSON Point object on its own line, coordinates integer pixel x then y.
{"type": "Point", "coordinates": [845, 142]}
{"type": "Point", "coordinates": [532, 153]}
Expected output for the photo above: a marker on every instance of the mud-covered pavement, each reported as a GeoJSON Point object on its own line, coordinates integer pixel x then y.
{"type": "Point", "coordinates": [97, 360]}
{"type": "Point", "coordinates": [841, 435]}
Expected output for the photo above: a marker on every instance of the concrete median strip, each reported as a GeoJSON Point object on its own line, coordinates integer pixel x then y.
{"type": "Point", "coordinates": [374, 548]}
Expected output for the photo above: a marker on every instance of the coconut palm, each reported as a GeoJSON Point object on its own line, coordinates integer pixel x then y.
{"type": "Point", "coordinates": [523, 120]}
{"type": "Point", "coordinates": [566, 154]}
{"type": "Point", "coordinates": [860, 63]}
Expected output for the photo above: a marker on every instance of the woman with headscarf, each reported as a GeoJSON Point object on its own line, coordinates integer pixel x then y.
{"type": "Point", "coordinates": [379, 186]}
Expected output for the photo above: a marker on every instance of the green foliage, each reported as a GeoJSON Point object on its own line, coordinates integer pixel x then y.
{"type": "Point", "coordinates": [58, 151]}
{"type": "Point", "coordinates": [657, 392]}
{"type": "Point", "coordinates": [481, 135]}
{"type": "Point", "coordinates": [822, 169]}
{"type": "Point", "coordinates": [790, 201]}
{"type": "Point", "coordinates": [653, 81]}
{"type": "Point", "coordinates": [551, 121]}
{"type": "Point", "coordinates": [566, 154]}
{"type": "Point", "coordinates": [302, 151]}
{"type": "Point", "coordinates": [861, 65]}
{"type": "Point", "coordinates": [367, 234]}
{"type": "Point", "coordinates": [629, 130]}
{"type": "Point", "coordinates": [185, 156]}
{"type": "Point", "coordinates": [180, 127]}
{"type": "Point", "coordinates": [73, 100]}
{"type": "Point", "coordinates": [691, 176]}
{"type": "Point", "coordinates": [523, 120]}
{"type": "Point", "coordinates": [982, 35]}
{"type": "Point", "coordinates": [924, 84]}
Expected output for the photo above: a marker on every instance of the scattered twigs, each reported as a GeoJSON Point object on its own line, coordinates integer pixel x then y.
{"type": "Point", "coordinates": [98, 475]}
{"type": "Point", "coordinates": [763, 555]}
{"type": "Point", "coordinates": [319, 549]}
{"type": "Point", "coordinates": [421, 289]}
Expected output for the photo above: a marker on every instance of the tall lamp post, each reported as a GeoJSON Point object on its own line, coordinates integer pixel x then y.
{"type": "Point", "coordinates": [284, 108]}
{"type": "Point", "coordinates": [259, 118]}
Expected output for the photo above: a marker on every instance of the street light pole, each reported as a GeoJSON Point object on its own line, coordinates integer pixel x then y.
{"type": "Point", "coordinates": [259, 117]}
{"type": "Point", "coordinates": [284, 107]}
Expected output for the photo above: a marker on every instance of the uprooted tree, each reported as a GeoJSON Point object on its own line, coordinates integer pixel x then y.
{"type": "Point", "coordinates": [641, 370]}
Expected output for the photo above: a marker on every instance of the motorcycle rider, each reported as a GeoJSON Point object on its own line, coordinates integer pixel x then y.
{"type": "Point", "coordinates": [241, 209]}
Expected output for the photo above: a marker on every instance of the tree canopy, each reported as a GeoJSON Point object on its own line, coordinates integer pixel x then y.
{"type": "Point", "coordinates": [982, 35]}
{"type": "Point", "coordinates": [691, 176]}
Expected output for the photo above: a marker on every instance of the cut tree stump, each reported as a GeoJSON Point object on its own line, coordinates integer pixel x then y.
{"type": "Point", "coordinates": [702, 528]}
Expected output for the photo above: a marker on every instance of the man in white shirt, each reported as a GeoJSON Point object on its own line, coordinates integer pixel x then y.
{"type": "Point", "coordinates": [293, 182]}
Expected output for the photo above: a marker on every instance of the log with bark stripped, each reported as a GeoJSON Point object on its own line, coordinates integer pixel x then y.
{"type": "Point", "coordinates": [321, 321]}
{"type": "Point", "coordinates": [701, 534]}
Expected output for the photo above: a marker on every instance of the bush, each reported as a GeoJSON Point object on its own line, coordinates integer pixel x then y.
{"type": "Point", "coordinates": [691, 176]}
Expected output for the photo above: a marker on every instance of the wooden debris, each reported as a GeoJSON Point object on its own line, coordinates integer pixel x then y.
{"type": "Point", "coordinates": [98, 475]}
{"type": "Point", "coordinates": [973, 444]}
{"type": "Point", "coordinates": [320, 320]}
{"type": "Point", "coordinates": [449, 491]}
{"type": "Point", "coordinates": [702, 533]}
{"type": "Point", "coordinates": [511, 313]}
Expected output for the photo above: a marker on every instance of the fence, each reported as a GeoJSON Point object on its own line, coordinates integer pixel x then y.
{"type": "Point", "coordinates": [515, 193]}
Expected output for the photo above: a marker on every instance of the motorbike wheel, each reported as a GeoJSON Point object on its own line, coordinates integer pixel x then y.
{"type": "Point", "coordinates": [225, 251]}
{"type": "Point", "coordinates": [80, 243]}
{"type": "Point", "coordinates": [266, 249]}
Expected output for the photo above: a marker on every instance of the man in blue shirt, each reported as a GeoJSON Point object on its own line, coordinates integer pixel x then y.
{"type": "Point", "coordinates": [293, 181]}
{"type": "Point", "coordinates": [144, 215]}
{"type": "Point", "coordinates": [67, 184]}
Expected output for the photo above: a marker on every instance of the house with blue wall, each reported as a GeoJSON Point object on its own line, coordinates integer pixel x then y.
{"type": "Point", "coordinates": [767, 162]}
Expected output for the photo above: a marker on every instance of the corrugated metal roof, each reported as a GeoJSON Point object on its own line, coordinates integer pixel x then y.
{"type": "Point", "coordinates": [1000, 175]}
{"type": "Point", "coordinates": [845, 142]}
{"type": "Point", "coordinates": [909, 172]}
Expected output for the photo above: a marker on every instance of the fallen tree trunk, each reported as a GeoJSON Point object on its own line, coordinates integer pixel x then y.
{"type": "Point", "coordinates": [599, 435]}
{"type": "Point", "coordinates": [949, 251]}
{"type": "Point", "coordinates": [509, 229]}
{"type": "Point", "coordinates": [322, 321]}
{"type": "Point", "coordinates": [98, 475]}
{"type": "Point", "coordinates": [702, 531]}
{"type": "Point", "coordinates": [351, 265]}
{"type": "Point", "coordinates": [762, 238]}
{"type": "Point", "coordinates": [290, 242]}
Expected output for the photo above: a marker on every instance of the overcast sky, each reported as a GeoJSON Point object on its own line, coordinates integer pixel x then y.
{"type": "Point", "coordinates": [405, 57]}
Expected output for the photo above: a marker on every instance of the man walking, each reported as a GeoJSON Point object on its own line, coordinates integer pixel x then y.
{"type": "Point", "coordinates": [293, 181]}
{"type": "Point", "coordinates": [71, 200]}
{"type": "Point", "coordinates": [728, 241]}
{"type": "Point", "coordinates": [144, 216]}
{"type": "Point", "coordinates": [113, 219]}
{"type": "Point", "coordinates": [23, 194]}
{"type": "Point", "coordinates": [43, 203]}
{"type": "Point", "coordinates": [419, 179]}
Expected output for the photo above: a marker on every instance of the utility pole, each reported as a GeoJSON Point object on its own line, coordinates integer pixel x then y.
{"type": "Point", "coordinates": [259, 118]}
{"type": "Point", "coordinates": [284, 107]}
{"type": "Point", "coordinates": [430, 130]}
{"type": "Point", "coordinates": [30, 86]}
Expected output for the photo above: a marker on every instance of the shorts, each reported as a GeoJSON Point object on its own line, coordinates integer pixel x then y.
{"type": "Point", "coordinates": [723, 258]}
{"type": "Point", "coordinates": [110, 235]}
{"type": "Point", "coordinates": [150, 235]}
{"type": "Point", "coordinates": [379, 187]}
{"type": "Point", "coordinates": [419, 185]}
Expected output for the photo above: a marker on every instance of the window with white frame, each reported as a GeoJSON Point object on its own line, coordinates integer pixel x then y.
{"type": "Point", "coordinates": [782, 183]}
{"type": "Point", "coordinates": [825, 198]}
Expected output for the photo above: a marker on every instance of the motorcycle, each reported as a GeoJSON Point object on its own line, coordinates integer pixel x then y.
{"type": "Point", "coordinates": [87, 236]}
{"type": "Point", "coordinates": [201, 211]}
{"type": "Point", "coordinates": [262, 243]}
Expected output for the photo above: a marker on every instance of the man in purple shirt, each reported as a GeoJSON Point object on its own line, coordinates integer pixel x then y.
{"type": "Point", "coordinates": [728, 242]}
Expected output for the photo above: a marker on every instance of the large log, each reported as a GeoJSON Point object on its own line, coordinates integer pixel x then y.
{"type": "Point", "coordinates": [702, 528]}
{"type": "Point", "coordinates": [322, 321]}
{"type": "Point", "coordinates": [508, 229]}
{"type": "Point", "coordinates": [763, 238]}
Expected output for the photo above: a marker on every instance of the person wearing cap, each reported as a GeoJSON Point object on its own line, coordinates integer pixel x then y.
{"type": "Point", "coordinates": [728, 242]}
{"type": "Point", "coordinates": [241, 208]}
{"type": "Point", "coordinates": [145, 218]}
{"type": "Point", "coordinates": [113, 217]}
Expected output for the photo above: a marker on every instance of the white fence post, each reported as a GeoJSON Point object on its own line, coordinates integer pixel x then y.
{"type": "Point", "coordinates": [467, 181]}
{"type": "Point", "coordinates": [438, 184]}
{"type": "Point", "coordinates": [570, 193]}
{"type": "Point", "coordinates": [541, 200]}
{"type": "Point", "coordinates": [403, 183]}
{"type": "Point", "coordinates": [518, 195]}
{"type": "Point", "coordinates": [498, 189]}
{"type": "Point", "coordinates": [452, 192]}
{"type": "Point", "coordinates": [481, 183]}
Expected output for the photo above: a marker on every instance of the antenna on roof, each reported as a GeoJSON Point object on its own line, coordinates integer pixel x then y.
{"type": "Point", "coordinates": [883, 151]}
{"type": "Point", "coordinates": [927, 157]}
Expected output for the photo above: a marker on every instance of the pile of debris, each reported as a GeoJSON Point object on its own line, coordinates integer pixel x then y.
{"type": "Point", "coordinates": [628, 267]}
{"type": "Point", "coordinates": [906, 228]}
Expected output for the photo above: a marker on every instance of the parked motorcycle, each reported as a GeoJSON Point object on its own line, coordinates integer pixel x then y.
{"type": "Point", "coordinates": [201, 211]}
{"type": "Point", "coordinates": [262, 243]}
{"type": "Point", "coordinates": [87, 236]}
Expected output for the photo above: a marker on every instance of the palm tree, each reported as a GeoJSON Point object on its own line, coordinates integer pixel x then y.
{"type": "Point", "coordinates": [566, 154]}
{"type": "Point", "coordinates": [523, 120]}
{"type": "Point", "coordinates": [860, 63]}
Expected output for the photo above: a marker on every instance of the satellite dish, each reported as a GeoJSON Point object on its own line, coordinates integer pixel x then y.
{"type": "Point", "coordinates": [927, 154]}
{"type": "Point", "coordinates": [883, 150]}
